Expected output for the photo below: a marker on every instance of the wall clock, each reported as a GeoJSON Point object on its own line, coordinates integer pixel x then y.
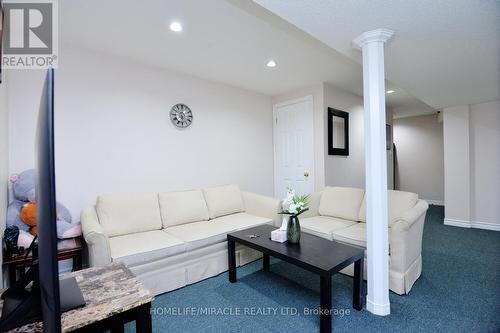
{"type": "Point", "coordinates": [181, 115]}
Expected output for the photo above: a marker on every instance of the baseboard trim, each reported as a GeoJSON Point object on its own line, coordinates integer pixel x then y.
{"type": "Point", "coordinates": [457, 223]}
{"type": "Point", "coordinates": [435, 202]}
{"type": "Point", "coordinates": [378, 309]}
{"type": "Point", "coordinates": [485, 225]}
{"type": "Point", "coordinates": [472, 224]}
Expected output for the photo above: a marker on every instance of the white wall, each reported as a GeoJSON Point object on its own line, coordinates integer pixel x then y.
{"type": "Point", "coordinates": [337, 170]}
{"type": "Point", "coordinates": [113, 132]}
{"type": "Point", "coordinates": [346, 170]}
{"type": "Point", "coordinates": [316, 92]}
{"type": "Point", "coordinates": [485, 162]}
{"type": "Point", "coordinates": [456, 163]}
{"type": "Point", "coordinates": [349, 170]}
{"type": "Point", "coordinates": [472, 165]}
{"type": "Point", "coordinates": [419, 144]}
{"type": "Point", "coordinates": [4, 161]}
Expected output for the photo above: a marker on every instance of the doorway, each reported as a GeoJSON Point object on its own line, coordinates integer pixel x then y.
{"type": "Point", "coordinates": [293, 133]}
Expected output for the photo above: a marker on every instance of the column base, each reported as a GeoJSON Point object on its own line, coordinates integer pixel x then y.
{"type": "Point", "coordinates": [378, 309]}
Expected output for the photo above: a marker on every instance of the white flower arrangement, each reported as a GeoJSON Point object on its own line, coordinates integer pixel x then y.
{"type": "Point", "coordinates": [294, 204]}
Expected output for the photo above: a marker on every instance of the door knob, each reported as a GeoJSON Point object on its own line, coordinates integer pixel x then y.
{"type": "Point", "coordinates": [306, 173]}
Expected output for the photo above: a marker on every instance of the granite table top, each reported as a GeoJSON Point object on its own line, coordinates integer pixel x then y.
{"type": "Point", "coordinates": [107, 291]}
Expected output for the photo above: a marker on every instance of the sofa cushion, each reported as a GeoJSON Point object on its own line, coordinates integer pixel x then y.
{"type": "Point", "coordinates": [199, 234]}
{"type": "Point", "coordinates": [127, 214]}
{"type": "Point", "coordinates": [323, 226]}
{"type": "Point", "coordinates": [205, 233]}
{"type": "Point", "coordinates": [341, 202]}
{"type": "Point", "coordinates": [354, 235]}
{"type": "Point", "coordinates": [223, 200]}
{"type": "Point", "coordinates": [182, 207]}
{"type": "Point", "coordinates": [398, 203]}
{"type": "Point", "coordinates": [143, 247]}
{"type": "Point", "coordinates": [242, 221]}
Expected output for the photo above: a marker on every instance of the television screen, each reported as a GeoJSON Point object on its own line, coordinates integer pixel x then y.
{"type": "Point", "coordinates": [46, 209]}
{"type": "Point", "coordinates": [39, 294]}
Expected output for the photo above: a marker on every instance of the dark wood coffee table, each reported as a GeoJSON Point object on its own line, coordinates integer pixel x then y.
{"type": "Point", "coordinates": [315, 254]}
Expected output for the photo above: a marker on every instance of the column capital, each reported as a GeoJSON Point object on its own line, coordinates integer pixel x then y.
{"type": "Point", "coordinates": [377, 35]}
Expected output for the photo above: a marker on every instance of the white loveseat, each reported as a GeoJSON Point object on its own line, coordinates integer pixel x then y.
{"type": "Point", "coordinates": [338, 213]}
{"type": "Point", "coordinates": [173, 239]}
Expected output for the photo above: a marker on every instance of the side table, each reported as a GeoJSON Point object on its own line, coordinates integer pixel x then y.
{"type": "Point", "coordinates": [71, 248]}
{"type": "Point", "coordinates": [113, 297]}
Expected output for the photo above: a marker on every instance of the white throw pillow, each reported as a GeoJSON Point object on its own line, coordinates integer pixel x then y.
{"type": "Point", "coordinates": [223, 200]}
{"type": "Point", "coordinates": [341, 202]}
{"type": "Point", "coordinates": [126, 214]}
{"type": "Point", "coordinates": [183, 207]}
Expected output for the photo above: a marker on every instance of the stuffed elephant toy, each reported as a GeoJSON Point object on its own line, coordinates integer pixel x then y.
{"type": "Point", "coordinates": [23, 188]}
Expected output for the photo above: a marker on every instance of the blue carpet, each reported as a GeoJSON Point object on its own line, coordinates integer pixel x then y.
{"type": "Point", "coordinates": [458, 291]}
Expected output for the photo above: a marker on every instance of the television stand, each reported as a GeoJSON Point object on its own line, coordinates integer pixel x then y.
{"type": "Point", "coordinates": [113, 296]}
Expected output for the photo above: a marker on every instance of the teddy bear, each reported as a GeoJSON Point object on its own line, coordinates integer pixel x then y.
{"type": "Point", "coordinates": [21, 212]}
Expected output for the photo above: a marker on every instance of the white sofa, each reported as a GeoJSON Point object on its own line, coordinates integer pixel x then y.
{"type": "Point", "coordinates": [338, 213]}
{"type": "Point", "coordinates": [173, 239]}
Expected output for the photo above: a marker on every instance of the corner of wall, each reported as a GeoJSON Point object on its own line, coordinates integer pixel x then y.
{"type": "Point", "coordinates": [456, 143]}
{"type": "Point", "coordinates": [471, 137]}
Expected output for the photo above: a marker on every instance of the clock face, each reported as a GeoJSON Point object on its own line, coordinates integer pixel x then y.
{"type": "Point", "coordinates": [181, 115]}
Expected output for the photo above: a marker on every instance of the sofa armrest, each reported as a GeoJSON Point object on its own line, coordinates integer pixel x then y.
{"type": "Point", "coordinates": [406, 237]}
{"type": "Point", "coordinates": [262, 205]}
{"type": "Point", "coordinates": [96, 239]}
{"type": "Point", "coordinates": [411, 216]}
{"type": "Point", "coordinates": [314, 199]}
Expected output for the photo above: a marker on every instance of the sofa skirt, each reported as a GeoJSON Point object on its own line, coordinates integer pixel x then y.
{"type": "Point", "coordinates": [184, 269]}
{"type": "Point", "coordinates": [399, 283]}
{"type": "Point", "coordinates": [175, 272]}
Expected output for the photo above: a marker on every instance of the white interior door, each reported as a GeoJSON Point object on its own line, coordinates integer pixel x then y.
{"type": "Point", "coordinates": [294, 146]}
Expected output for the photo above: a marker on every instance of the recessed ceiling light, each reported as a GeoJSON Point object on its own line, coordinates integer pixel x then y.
{"type": "Point", "coordinates": [389, 91]}
{"type": "Point", "coordinates": [271, 63]}
{"type": "Point", "coordinates": [175, 27]}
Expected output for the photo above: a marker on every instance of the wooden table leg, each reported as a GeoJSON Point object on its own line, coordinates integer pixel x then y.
{"type": "Point", "coordinates": [118, 329]}
{"type": "Point", "coordinates": [358, 290]}
{"type": "Point", "coordinates": [143, 322]}
{"type": "Point", "coordinates": [12, 273]}
{"type": "Point", "coordinates": [266, 262]}
{"type": "Point", "coordinates": [79, 257]}
{"type": "Point", "coordinates": [325, 316]}
{"type": "Point", "coordinates": [231, 256]}
{"type": "Point", "coordinates": [77, 262]}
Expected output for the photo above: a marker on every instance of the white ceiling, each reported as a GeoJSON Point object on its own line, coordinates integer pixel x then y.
{"type": "Point", "coordinates": [227, 41]}
{"type": "Point", "coordinates": [444, 52]}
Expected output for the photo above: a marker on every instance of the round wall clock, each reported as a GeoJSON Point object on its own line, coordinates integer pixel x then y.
{"type": "Point", "coordinates": [181, 115]}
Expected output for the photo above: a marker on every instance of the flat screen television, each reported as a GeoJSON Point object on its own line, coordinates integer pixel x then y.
{"type": "Point", "coordinates": [40, 294]}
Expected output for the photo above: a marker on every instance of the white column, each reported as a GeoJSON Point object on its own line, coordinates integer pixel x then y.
{"type": "Point", "coordinates": [372, 45]}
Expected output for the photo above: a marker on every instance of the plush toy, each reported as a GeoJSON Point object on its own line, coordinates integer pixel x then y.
{"type": "Point", "coordinates": [28, 216]}
{"type": "Point", "coordinates": [22, 211]}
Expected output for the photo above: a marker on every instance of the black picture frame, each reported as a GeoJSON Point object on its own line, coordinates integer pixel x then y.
{"type": "Point", "coordinates": [335, 150]}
